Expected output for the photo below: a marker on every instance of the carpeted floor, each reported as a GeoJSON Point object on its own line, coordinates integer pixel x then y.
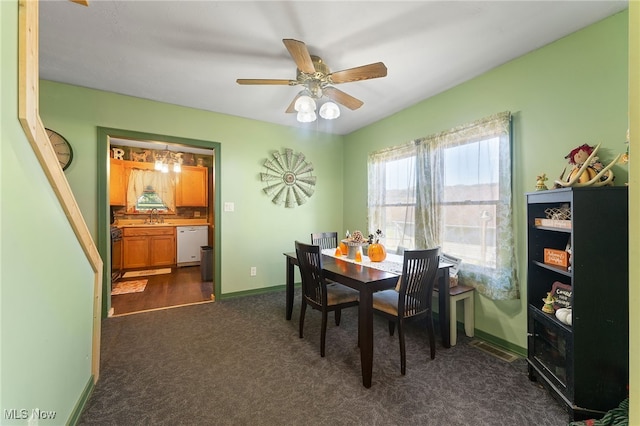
{"type": "Point", "coordinates": [239, 362]}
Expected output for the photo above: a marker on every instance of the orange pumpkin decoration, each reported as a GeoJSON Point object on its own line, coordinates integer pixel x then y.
{"type": "Point", "coordinates": [377, 252]}
{"type": "Point", "coordinates": [343, 248]}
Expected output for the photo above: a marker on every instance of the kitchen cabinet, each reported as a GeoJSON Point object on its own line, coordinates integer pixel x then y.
{"type": "Point", "coordinates": [191, 187]}
{"type": "Point", "coordinates": [117, 183]}
{"type": "Point", "coordinates": [162, 250]}
{"type": "Point", "coordinates": [149, 246]}
{"type": "Point", "coordinates": [584, 364]}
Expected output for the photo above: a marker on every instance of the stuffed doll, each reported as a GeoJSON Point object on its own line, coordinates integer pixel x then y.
{"type": "Point", "coordinates": [587, 170]}
{"type": "Point", "coordinates": [577, 157]}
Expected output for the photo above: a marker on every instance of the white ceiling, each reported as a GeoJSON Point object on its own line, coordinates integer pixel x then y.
{"type": "Point", "coordinates": [190, 53]}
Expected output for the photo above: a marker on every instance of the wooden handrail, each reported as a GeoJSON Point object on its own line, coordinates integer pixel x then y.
{"type": "Point", "coordinates": [28, 114]}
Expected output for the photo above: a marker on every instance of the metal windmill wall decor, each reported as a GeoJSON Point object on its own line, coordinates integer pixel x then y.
{"type": "Point", "coordinates": [288, 178]}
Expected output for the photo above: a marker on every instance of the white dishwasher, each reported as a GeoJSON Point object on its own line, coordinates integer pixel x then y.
{"type": "Point", "coordinates": [189, 240]}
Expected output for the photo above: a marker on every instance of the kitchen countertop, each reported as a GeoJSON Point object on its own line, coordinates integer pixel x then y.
{"type": "Point", "coordinates": [139, 223]}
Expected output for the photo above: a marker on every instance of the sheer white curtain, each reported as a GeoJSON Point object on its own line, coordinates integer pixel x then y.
{"type": "Point", "coordinates": [162, 183]}
{"type": "Point", "coordinates": [465, 202]}
{"type": "Point", "coordinates": [462, 200]}
{"type": "Point", "coordinates": [392, 195]}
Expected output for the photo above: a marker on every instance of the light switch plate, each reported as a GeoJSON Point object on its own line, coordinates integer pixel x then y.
{"type": "Point", "coordinates": [229, 206]}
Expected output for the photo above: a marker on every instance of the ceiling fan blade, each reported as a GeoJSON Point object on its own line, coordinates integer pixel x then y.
{"type": "Point", "coordinates": [292, 105]}
{"type": "Point", "coordinates": [364, 72]}
{"type": "Point", "coordinates": [300, 54]}
{"type": "Point", "coordinates": [342, 98]}
{"type": "Point", "coordinates": [82, 2]}
{"type": "Point", "coordinates": [266, 81]}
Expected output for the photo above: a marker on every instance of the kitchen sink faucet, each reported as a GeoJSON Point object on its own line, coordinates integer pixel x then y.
{"type": "Point", "coordinates": [154, 217]}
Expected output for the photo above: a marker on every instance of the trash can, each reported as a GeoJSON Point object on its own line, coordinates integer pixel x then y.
{"type": "Point", "coordinates": [206, 263]}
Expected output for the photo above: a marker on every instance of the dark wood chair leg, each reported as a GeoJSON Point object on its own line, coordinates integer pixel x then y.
{"type": "Point", "coordinates": [432, 337]}
{"type": "Point", "coordinates": [403, 355]}
{"type": "Point", "coordinates": [303, 309]}
{"type": "Point", "coordinates": [338, 314]}
{"type": "Point", "coordinates": [323, 333]}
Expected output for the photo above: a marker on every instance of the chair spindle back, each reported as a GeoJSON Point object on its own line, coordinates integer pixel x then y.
{"type": "Point", "coordinates": [419, 270]}
{"type": "Point", "coordinates": [313, 283]}
{"type": "Point", "coordinates": [325, 240]}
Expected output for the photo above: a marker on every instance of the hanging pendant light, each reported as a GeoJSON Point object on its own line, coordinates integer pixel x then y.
{"type": "Point", "coordinates": [164, 159]}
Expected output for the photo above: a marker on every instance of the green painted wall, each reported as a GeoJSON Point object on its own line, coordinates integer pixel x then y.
{"type": "Point", "coordinates": [46, 282]}
{"type": "Point", "coordinates": [258, 231]}
{"type": "Point", "coordinates": [571, 92]}
{"type": "Point", "coordinates": [562, 95]}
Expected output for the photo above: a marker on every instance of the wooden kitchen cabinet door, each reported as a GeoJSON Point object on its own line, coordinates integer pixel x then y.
{"type": "Point", "coordinates": [117, 184]}
{"type": "Point", "coordinates": [163, 250]}
{"type": "Point", "coordinates": [135, 252]}
{"type": "Point", "coordinates": [191, 187]}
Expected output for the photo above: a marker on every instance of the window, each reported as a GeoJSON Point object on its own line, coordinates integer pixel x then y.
{"type": "Point", "coordinates": [150, 200]}
{"type": "Point", "coordinates": [148, 189]}
{"type": "Point", "coordinates": [470, 197]}
{"type": "Point", "coordinates": [456, 193]}
{"type": "Point", "coordinates": [392, 201]}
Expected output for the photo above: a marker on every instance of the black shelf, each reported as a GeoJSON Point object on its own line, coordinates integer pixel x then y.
{"type": "Point", "coordinates": [560, 270]}
{"type": "Point", "coordinates": [549, 228]}
{"type": "Point", "coordinates": [584, 366]}
{"type": "Point", "coordinates": [548, 319]}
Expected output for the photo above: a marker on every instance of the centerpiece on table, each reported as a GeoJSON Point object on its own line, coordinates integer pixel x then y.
{"type": "Point", "coordinates": [354, 243]}
{"type": "Point", "coordinates": [376, 251]}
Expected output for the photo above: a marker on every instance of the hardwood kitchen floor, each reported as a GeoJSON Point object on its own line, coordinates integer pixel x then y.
{"type": "Point", "coordinates": [183, 286]}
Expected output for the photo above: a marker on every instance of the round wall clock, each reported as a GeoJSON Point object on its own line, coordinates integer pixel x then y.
{"type": "Point", "coordinates": [288, 178]}
{"type": "Point", "coordinates": [61, 146]}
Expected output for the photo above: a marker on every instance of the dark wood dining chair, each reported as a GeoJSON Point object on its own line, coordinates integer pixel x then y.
{"type": "Point", "coordinates": [411, 299]}
{"type": "Point", "coordinates": [315, 291]}
{"type": "Point", "coordinates": [325, 240]}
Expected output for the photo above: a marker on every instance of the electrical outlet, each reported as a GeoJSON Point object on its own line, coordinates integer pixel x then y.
{"type": "Point", "coordinates": [229, 206]}
{"type": "Point", "coordinates": [253, 271]}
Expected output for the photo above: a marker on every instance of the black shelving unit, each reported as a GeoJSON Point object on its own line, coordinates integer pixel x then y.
{"type": "Point", "coordinates": [584, 365]}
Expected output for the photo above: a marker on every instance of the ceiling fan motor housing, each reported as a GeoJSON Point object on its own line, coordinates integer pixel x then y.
{"type": "Point", "coordinates": [316, 81]}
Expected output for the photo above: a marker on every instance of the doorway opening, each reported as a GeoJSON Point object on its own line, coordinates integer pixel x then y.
{"type": "Point", "coordinates": [152, 274]}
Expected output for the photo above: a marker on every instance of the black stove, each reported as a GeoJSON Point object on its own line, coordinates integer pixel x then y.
{"type": "Point", "coordinates": [116, 233]}
{"type": "Point", "coordinates": [116, 253]}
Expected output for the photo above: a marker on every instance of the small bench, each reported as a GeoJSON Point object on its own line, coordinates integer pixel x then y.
{"type": "Point", "coordinates": [464, 293]}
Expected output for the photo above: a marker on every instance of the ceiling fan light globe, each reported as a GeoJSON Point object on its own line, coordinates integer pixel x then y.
{"type": "Point", "coordinates": [329, 111]}
{"type": "Point", "coordinates": [306, 116]}
{"type": "Point", "coordinates": [305, 103]}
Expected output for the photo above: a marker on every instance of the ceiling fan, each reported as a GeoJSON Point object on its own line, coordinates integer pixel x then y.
{"type": "Point", "coordinates": [316, 78]}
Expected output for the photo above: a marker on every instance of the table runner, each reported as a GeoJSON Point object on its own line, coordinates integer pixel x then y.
{"type": "Point", "coordinates": [392, 263]}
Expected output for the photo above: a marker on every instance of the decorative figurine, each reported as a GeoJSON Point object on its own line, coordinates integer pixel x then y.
{"type": "Point", "coordinates": [624, 158]}
{"type": "Point", "coordinates": [548, 304]}
{"type": "Point", "coordinates": [587, 170]}
{"type": "Point", "coordinates": [540, 180]}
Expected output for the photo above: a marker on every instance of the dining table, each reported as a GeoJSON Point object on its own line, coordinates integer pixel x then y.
{"type": "Point", "coordinates": [367, 278]}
